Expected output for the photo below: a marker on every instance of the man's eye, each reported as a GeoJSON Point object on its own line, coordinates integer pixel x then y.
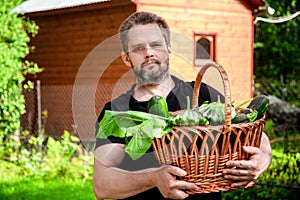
{"type": "Point", "coordinates": [137, 49]}
{"type": "Point", "coordinates": [156, 45]}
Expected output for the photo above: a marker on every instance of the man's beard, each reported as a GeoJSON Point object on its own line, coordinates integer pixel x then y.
{"type": "Point", "coordinates": [151, 76]}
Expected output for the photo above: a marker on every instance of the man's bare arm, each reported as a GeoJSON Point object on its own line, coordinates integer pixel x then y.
{"type": "Point", "coordinates": [112, 182]}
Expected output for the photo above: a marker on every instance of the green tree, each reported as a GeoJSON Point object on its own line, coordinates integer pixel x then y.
{"type": "Point", "coordinates": [15, 34]}
{"type": "Point", "coordinates": [277, 44]}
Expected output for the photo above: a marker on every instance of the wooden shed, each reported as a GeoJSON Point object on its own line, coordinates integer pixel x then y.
{"type": "Point", "coordinates": [78, 49]}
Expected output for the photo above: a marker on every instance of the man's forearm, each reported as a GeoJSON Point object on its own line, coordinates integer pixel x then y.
{"type": "Point", "coordinates": [111, 182]}
{"type": "Point", "coordinates": [265, 147]}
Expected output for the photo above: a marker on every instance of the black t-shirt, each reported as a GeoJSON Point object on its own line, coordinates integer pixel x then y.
{"type": "Point", "coordinates": [176, 100]}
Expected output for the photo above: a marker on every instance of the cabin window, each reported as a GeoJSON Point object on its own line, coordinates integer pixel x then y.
{"type": "Point", "coordinates": [205, 47]}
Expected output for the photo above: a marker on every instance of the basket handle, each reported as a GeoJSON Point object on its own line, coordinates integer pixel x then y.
{"type": "Point", "coordinates": [227, 119]}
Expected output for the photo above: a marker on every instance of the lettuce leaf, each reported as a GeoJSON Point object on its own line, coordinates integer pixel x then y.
{"type": "Point", "coordinates": [137, 127]}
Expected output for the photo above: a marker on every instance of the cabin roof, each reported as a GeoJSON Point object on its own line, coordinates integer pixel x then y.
{"type": "Point", "coordinates": [32, 6]}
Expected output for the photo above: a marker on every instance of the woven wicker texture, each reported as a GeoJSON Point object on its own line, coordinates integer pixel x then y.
{"type": "Point", "coordinates": [202, 151]}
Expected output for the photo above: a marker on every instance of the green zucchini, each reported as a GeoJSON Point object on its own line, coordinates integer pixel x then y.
{"type": "Point", "coordinates": [251, 116]}
{"type": "Point", "coordinates": [255, 110]}
{"type": "Point", "coordinates": [259, 103]}
{"type": "Point", "coordinates": [157, 105]}
{"type": "Point", "coordinates": [240, 118]}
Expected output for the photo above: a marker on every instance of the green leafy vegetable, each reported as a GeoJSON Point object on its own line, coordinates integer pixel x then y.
{"type": "Point", "coordinates": [137, 146]}
{"type": "Point", "coordinates": [138, 128]}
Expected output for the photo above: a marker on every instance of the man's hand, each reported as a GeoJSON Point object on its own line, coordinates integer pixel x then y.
{"type": "Point", "coordinates": [165, 180]}
{"type": "Point", "coordinates": [245, 172]}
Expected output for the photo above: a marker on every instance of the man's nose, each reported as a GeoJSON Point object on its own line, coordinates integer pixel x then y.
{"type": "Point", "coordinates": [149, 52]}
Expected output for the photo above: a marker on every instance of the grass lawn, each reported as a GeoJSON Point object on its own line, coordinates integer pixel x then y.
{"type": "Point", "coordinates": [16, 187]}
{"type": "Point", "coordinates": [27, 188]}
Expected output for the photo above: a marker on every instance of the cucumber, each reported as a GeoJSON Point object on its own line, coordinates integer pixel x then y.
{"type": "Point", "coordinates": [157, 105]}
{"type": "Point", "coordinates": [255, 110]}
{"type": "Point", "coordinates": [259, 103]}
{"type": "Point", "coordinates": [240, 118]}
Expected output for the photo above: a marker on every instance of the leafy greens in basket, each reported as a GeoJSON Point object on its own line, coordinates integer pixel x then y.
{"type": "Point", "coordinates": [140, 128]}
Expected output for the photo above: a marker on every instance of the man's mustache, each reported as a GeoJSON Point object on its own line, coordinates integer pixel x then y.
{"type": "Point", "coordinates": [151, 60]}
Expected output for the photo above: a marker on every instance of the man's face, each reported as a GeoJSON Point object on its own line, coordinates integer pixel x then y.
{"type": "Point", "coordinates": [148, 54]}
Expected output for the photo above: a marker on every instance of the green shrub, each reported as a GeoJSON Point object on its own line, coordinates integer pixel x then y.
{"type": "Point", "coordinates": [59, 158]}
{"type": "Point", "coordinates": [15, 33]}
{"type": "Point", "coordinates": [284, 169]}
{"type": "Point", "coordinates": [58, 170]}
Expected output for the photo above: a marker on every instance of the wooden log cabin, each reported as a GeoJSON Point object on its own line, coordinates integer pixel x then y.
{"type": "Point", "coordinates": [78, 49]}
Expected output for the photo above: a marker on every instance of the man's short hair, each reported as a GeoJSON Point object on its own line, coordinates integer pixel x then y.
{"type": "Point", "coordinates": [142, 18]}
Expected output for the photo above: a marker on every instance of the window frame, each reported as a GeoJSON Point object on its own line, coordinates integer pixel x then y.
{"type": "Point", "coordinates": [213, 47]}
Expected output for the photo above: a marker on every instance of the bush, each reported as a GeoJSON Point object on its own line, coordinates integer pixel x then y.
{"type": "Point", "coordinates": [50, 168]}
{"type": "Point", "coordinates": [57, 158]}
{"type": "Point", "coordinates": [15, 34]}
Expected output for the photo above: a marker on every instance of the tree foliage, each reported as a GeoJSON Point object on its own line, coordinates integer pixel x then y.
{"type": "Point", "coordinates": [15, 34]}
{"type": "Point", "coordinates": [277, 44]}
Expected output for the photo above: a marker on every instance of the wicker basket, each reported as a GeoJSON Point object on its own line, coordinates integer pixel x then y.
{"type": "Point", "coordinates": [202, 151]}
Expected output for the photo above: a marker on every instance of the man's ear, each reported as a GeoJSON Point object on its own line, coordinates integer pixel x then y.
{"type": "Point", "coordinates": [126, 59]}
{"type": "Point", "coordinates": [169, 50]}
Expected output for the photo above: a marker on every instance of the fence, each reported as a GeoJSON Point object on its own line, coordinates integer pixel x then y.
{"type": "Point", "coordinates": [49, 109]}
{"type": "Point", "coordinates": [37, 118]}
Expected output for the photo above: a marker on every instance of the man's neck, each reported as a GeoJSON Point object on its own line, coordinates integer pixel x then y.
{"type": "Point", "coordinates": [145, 92]}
